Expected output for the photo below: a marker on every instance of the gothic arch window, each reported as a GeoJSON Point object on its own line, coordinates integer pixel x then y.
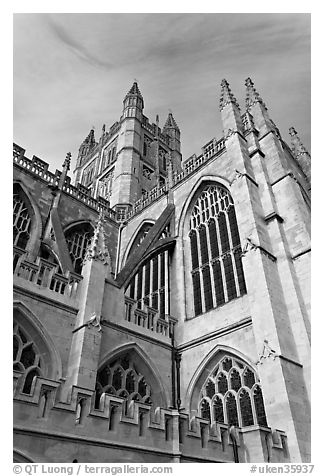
{"type": "Point", "coordinates": [232, 394]}
{"type": "Point", "coordinates": [78, 238]}
{"type": "Point", "coordinates": [122, 377]}
{"type": "Point", "coordinates": [26, 357]}
{"type": "Point", "coordinates": [22, 220]}
{"type": "Point", "coordinates": [216, 266]}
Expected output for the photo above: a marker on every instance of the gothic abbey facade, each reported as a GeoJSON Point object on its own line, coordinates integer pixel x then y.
{"type": "Point", "coordinates": [161, 305]}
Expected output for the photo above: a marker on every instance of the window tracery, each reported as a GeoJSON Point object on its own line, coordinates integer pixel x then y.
{"type": "Point", "coordinates": [26, 358]}
{"type": "Point", "coordinates": [217, 272]}
{"type": "Point", "coordinates": [122, 378]}
{"type": "Point", "coordinates": [232, 394]}
{"type": "Point", "coordinates": [78, 239]}
{"type": "Point", "coordinates": [21, 222]}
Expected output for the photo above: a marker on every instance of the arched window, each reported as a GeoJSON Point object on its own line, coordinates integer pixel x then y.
{"type": "Point", "coordinates": [122, 378]}
{"type": "Point", "coordinates": [78, 239]}
{"type": "Point", "coordinates": [217, 272]}
{"type": "Point", "coordinates": [21, 221]}
{"type": "Point", "coordinates": [230, 393]}
{"type": "Point", "coordinates": [26, 357]}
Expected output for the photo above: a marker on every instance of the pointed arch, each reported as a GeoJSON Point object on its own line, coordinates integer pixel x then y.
{"type": "Point", "coordinates": [207, 365]}
{"type": "Point", "coordinates": [29, 322]}
{"type": "Point", "coordinates": [36, 226]}
{"type": "Point", "coordinates": [218, 388]}
{"type": "Point", "coordinates": [143, 226]}
{"type": "Point", "coordinates": [211, 259]}
{"type": "Point", "coordinates": [21, 457]}
{"type": "Point", "coordinates": [203, 181]}
{"type": "Point", "coordinates": [145, 369]}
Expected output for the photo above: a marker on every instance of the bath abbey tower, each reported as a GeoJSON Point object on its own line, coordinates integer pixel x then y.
{"type": "Point", "coordinates": [161, 303]}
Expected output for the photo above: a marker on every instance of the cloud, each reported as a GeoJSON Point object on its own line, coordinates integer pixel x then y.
{"type": "Point", "coordinates": [76, 47]}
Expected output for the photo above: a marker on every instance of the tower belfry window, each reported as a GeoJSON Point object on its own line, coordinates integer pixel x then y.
{"type": "Point", "coordinates": [217, 272]}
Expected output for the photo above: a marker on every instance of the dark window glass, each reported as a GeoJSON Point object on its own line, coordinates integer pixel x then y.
{"type": "Point", "coordinates": [203, 245]}
{"type": "Point", "coordinates": [259, 407]}
{"type": "Point", "coordinates": [207, 289]}
{"type": "Point", "coordinates": [231, 410]}
{"type": "Point", "coordinates": [197, 293]}
{"type": "Point", "coordinates": [213, 239]}
{"type": "Point", "coordinates": [205, 410]}
{"type": "Point", "coordinates": [218, 410]}
{"type": "Point", "coordinates": [246, 409]}
{"type": "Point", "coordinates": [222, 384]}
{"type": "Point", "coordinates": [223, 232]}
{"type": "Point", "coordinates": [218, 281]}
{"type": "Point", "coordinates": [229, 276]}
{"type": "Point", "coordinates": [194, 249]}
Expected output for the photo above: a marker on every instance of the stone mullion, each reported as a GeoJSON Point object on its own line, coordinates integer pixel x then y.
{"type": "Point", "coordinates": [135, 287]}
{"type": "Point", "coordinates": [151, 283]}
{"type": "Point", "coordinates": [229, 232]}
{"type": "Point", "coordinates": [143, 285]}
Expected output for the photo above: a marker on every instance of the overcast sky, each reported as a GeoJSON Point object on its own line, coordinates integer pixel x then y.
{"type": "Point", "coordinates": [72, 71]}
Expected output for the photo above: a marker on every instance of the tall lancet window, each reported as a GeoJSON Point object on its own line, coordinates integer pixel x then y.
{"type": "Point", "coordinates": [216, 266]}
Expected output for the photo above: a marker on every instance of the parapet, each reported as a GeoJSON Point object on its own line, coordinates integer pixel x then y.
{"type": "Point", "coordinates": [164, 434]}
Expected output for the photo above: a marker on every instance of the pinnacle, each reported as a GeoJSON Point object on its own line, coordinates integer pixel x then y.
{"type": "Point", "coordinates": [227, 97]}
{"type": "Point", "coordinates": [134, 90]}
{"type": "Point", "coordinates": [252, 96]}
{"type": "Point", "coordinates": [170, 123]}
{"type": "Point", "coordinates": [297, 146]}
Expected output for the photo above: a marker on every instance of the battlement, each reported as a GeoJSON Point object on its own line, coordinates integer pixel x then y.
{"type": "Point", "coordinates": [39, 168]}
{"type": "Point", "coordinates": [123, 424]}
{"type": "Point", "coordinates": [151, 128]}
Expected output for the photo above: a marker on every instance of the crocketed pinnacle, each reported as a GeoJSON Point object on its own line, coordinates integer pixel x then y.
{"type": "Point", "coordinates": [227, 96]}
{"type": "Point", "coordinates": [90, 139]}
{"type": "Point", "coordinates": [297, 146]}
{"type": "Point", "coordinates": [252, 96]}
{"type": "Point", "coordinates": [97, 250]}
{"type": "Point", "coordinates": [67, 161]}
{"type": "Point", "coordinates": [170, 123]}
{"type": "Point", "coordinates": [134, 90]}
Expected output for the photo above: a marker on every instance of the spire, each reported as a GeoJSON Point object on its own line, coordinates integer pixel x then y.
{"type": "Point", "coordinates": [134, 90]}
{"type": "Point", "coordinates": [170, 123]}
{"type": "Point", "coordinates": [227, 96]}
{"type": "Point", "coordinates": [252, 96]}
{"type": "Point", "coordinates": [90, 139]}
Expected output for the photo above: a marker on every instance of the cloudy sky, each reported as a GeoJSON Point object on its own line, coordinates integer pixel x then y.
{"type": "Point", "coordinates": [72, 71]}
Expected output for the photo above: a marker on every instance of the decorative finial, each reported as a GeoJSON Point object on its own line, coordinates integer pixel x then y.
{"type": "Point", "coordinates": [252, 96]}
{"type": "Point", "coordinates": [135, 80]}
{"type": "Point", "coordinates": [227, 97]}
{"type": "Point", "coordinates": [67, 161]}
{"type": "Point", "coordinates": [292, 131]}
{"type": "Point", "coordinates": [103, 128]}
{"type": "Point", "coordinates": [297, 146]}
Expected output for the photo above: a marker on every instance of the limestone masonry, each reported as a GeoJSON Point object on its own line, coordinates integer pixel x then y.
{"type": "Point", "coordinates": [162, 305]}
